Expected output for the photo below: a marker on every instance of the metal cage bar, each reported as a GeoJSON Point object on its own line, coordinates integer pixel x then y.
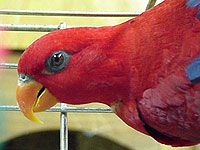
{"type": "Point", "coordinates": [63, 117]}
{"type": "Point", "coordinates": [29, 27]}
{"type": "Point", "coordinates": [67, 13]}
{"type": "Point", "coordinates": [63, 129]}
{"type": "Point", "coordinates": [32, 27]}
{"type": "Point", "coordinates": [63, 109]}
{"type": "Point", "coordinates": [8, 66]}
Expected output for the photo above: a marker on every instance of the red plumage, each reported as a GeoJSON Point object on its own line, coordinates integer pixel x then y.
{"type": "Point", "coordinates": [137, 67]}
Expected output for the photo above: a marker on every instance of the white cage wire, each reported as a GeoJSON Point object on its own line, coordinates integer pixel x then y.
{"type": "Point", "coordinates": [63, 109]}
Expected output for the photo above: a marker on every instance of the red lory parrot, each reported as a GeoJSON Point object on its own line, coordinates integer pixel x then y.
{"type": "Point", "coordinates": [146, 69]}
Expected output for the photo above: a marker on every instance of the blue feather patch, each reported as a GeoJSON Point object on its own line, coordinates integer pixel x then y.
{"type": "Point", "coordinates": [194, 3]}
{"type": "Point", "coordinates": [193, 71]}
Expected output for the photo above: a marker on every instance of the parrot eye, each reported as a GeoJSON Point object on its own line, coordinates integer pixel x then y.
{"type": "Point", "coordinates": [57, 59]}
{"type": "Point", "coordinates": [57, 62]}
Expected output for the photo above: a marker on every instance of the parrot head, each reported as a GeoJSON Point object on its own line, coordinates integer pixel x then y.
{"type": "Point", "coordinates": [74, 66]}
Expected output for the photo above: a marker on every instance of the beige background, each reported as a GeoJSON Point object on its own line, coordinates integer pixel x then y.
{"type": "Point", "coordinates": [107, 125]}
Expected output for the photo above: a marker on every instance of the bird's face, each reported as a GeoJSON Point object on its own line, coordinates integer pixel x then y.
{"type": "Point", "coordinates": [68, 66]}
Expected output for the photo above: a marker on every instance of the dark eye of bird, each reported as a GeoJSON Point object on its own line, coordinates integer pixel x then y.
{"type": "Point", "coordinates": [57, 59]}
{"type": "Point", "coordinates": [57, 62]}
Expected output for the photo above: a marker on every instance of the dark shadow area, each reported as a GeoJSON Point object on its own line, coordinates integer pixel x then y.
{"type": "Point", "coordinates": [50, 140]}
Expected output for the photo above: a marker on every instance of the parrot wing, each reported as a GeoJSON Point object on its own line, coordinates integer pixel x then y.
{"type": "Point", "coordinates": [172, 107]}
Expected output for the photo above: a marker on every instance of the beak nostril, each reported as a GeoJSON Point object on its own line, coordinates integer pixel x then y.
{"type": "Point", "coordinates": [24, 78]}
{"type": "Point", "coordinates": [41, 91]}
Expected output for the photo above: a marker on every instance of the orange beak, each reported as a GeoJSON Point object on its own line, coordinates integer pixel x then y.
{"type": "Point", "coordinates": [33, 97]}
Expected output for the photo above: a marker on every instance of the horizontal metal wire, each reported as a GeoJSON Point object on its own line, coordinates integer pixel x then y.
{"type": "Point", "coordinates": [33, 27]}
{"type": "Point", "coordinates": [29, 27]}
{"type": "Point", "coordinates": [62, 109]}
{"type": "Point", "coordinates": [68, 13]}
{"type": "Point", "coordinates": [8, 66]}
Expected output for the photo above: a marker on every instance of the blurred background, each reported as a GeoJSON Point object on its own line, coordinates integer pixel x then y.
{"type": "Point", "coordinates": [86, 131]}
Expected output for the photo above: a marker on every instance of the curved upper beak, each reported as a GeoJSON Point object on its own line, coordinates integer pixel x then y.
{"type": "Point", "coordinates": [33, 97]}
